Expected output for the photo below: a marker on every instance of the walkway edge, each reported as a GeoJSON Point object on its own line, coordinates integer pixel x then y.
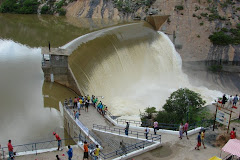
{"type": "Point", "coordinates": [191, 132]}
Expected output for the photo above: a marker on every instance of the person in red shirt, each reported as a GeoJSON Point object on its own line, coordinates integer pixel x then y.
{"type": "Point", "coordinates": [10, 149]}
{"type": "Point", "coordinates": [58, 139]}
{"type": "Point", "coordinates": [233, 134]}
{"type": "Point", "coordinates": [85, 147]}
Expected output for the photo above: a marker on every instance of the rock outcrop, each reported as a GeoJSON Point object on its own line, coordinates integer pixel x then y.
{"type": "Point", "coordinates": [190, 24]}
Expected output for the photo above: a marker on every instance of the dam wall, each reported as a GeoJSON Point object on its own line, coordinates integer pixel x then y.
{"type": "Point", "coordinates": [56, 69]}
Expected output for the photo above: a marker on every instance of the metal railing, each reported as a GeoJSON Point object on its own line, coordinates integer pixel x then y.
{"type": "Point", "coordinates": [83, 127]}
{"type": "Point", "coordinates": [36, 146]}
{"type": "Point", "coordinates": [125, 150]}
{"type": "Point", "coordinates": [202, 123]}
{"type": "Point", "coordinates": [121, 131]}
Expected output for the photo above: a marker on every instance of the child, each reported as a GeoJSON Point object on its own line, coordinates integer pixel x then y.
{"type": "Point", "coordinates": [198, 141]}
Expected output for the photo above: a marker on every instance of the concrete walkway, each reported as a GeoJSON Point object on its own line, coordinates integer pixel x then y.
{"type": "Point", "coordinates": [92, 117]}
{"type": "Point", "coordinates": [77, 154]}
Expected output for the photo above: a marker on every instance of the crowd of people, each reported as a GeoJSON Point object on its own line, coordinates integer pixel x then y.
{"type": "Point", "coordinates": [229, 102]}
{"type": "Point", "coordinates": [82, 103]}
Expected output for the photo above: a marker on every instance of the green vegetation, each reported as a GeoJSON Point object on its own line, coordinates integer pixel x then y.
{"type": "Point", "coordinates": [201, 24]}
{"type": "Point", "coordinates": [45, 9]}
{"type": "Point", "coordinates": [180, 7]}
{"type": "Point", "coordinates": [226, 3]}
{"type": "Point", "coordinates": [131, 6]}
{"type": "Point", "coordinates": [236, 120]}
{"type": "Point", "coordinates": [148, 114]}
{"type": "Point", "coordinates": [20, 7]}
{"type": "Point", "coordinates": [204, 14]}
{"type": "Point", "coordinates": [226, 37]}
{"type": "Point", "coordinates": [61, 11]}
{"type": "Point", "coordinates": [197, 8]}
{"type": "Point", "coordinates": [215, 68]}
{"type": "Point", "coordinates": [60, 4]}
{"type": "Point", "coordinates": [178, 105]}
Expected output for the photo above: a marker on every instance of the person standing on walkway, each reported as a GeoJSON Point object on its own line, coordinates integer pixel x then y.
{"type": "Point", "coordinates": [70, 102]}
{"type": "Point", "coordinates": [78, 106]}
{"type": "Point", "coordinates": [233, 134]}
{"type": "Point", "coordinates": [70, 152]}
{"type": "Point", "coordinates": [198, 141]}
{"type": "Point", "coordinates": [96, 152]}
{"type": "Point", "coordinates": [58, 157]}
{"type": "Point", "coordinates": [235, 100]}
{"type": "Point", "coordinates": [126, 129]}
{"type": "Point", "coordinates": [155, 127]}
{"type": "Point", "coordinates": [202, 138]}
{"type": "Point", "coordinates": [86, 105]}
{"type": "Point", "coordinates": [85, 147]}
{"type": "Point", "coordinates": [186, 129]}
{"type": "Point", "coordinates": [230, 102]}
{"type": "Point", "coordinates": [75, 102]}
{"type": "Point", "coordinates": [10, 149]}
{"type": "Point", "coordinates": [123, 148]}
{"type": "Point", "coordinates": [181, 130]}
{"type": "Point", "coordinates": [49, 46]}
{"type": "Point", "coordinates": [224, 100]}
{"type": "Point", "coordinates": [65, 103]}
{"type": "Point", "coordinates": [146, 132]}
{"type": "Point", "coordinates": [77, 114]}
{"type": "Point", "coordinates": [58, 139]}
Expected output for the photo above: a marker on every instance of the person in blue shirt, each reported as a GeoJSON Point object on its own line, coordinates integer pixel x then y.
{"type": "Point", "coordinates": [70, 153]}
{"type": "Point", "coordinates": [77, 115]}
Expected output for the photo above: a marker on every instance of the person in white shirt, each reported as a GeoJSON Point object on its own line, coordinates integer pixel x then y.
{"type": "Point", "coordinates": [146, 132]}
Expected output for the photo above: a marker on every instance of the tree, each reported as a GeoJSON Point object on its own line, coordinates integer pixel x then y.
{"type": "Point", "coordinates": [150, 111]}
{"type": "Point", "coordinates": [179, 105]}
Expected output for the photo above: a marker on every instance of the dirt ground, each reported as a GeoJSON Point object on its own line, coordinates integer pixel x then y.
{"type": "Point", "coordinates": [184, 149]}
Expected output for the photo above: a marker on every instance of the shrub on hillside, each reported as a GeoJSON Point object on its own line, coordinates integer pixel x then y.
{"type": "Point", "coordinates": [61, 12]}
{"type": "Point", "coordinates": [220, 38]}
{"type": "Point", "coordinates": [21, 7]}
{"type": "Point", "coordinates": [45, 9]}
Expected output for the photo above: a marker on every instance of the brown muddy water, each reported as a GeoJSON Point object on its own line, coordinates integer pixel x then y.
{"type": "Point", "coordinates": [29, 109]}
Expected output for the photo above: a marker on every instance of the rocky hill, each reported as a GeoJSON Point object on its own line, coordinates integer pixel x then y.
{"type": "Point", "coordinates": [190, 24]}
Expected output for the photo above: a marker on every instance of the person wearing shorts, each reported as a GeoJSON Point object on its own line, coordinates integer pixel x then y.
{"type": "Point", "coordinates": [202, 138]}
{"type": "Point", "coordinates": [198, 141]}
{"type": "Point", "coordinates": [85, 147]}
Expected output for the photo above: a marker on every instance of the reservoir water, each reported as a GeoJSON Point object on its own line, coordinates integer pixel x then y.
{"type": "Point", "coordinates": [29, 109]}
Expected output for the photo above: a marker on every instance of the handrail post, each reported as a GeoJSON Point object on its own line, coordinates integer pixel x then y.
{"type": "Point", "coordinates": [3, 153]}
{"type": "Point", "coordinates": [36, 148]}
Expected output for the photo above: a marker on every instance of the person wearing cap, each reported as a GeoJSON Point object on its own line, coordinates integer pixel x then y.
{"type": "Point", "coordinates": [58, 139]}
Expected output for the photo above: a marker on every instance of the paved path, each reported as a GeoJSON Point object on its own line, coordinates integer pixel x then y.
{"type": "Point", "coordinates": [77, 154]}
{"type": "Point", "coordinates": [92, 117]}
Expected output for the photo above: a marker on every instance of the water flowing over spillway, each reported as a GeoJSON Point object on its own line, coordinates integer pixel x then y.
{"type": "Point", "coordinates": [132, 66]}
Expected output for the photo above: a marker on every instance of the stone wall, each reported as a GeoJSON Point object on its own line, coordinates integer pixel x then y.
{"type": "Point", "coordinates": [58, 66]}
{"type": "Point", "coordinates": [71, 127]}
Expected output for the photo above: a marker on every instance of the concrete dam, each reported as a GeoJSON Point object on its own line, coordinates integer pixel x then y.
{"type": "Point", "coordinates": [132, 66]}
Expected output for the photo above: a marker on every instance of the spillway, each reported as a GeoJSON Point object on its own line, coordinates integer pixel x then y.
{"type": "Point", "coordinates": [132, 66]}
